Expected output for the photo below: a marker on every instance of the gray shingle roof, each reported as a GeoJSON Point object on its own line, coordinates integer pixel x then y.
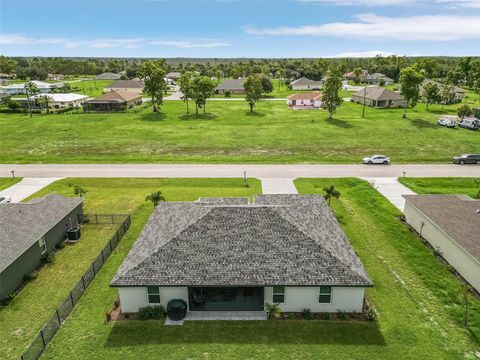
{"type": "Point", "coordinates": [378, 76]}
{"type": "Point", "coordinates": [23, 224]}
{"type": "Point", "coordinates": [127, 84]}
{"type": "Point", "coordinates": [278, 240]}
{"type": "Point", "coordinates": [108, 76]}
{"type": "Point", "coordinates": [303, 81]}
{"type": "Point", "coordinates": [231, 84]}
{"type": "Point", "coordinates": [454, 214]}
{"type": "Point", "coordinates": [378, 93]}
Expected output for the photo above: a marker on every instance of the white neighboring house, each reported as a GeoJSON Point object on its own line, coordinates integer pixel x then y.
{"type": "Point", "coordinates": [306, 84]}
{"type": "Point", "coordinates": [311, 100]}
{"type": "Point", "coordinates": [451, 224]}
{"type": "Point", "coordinates": [42, 87]}
{"type": "Point", "coordinates": [225, 254]}
{"type": "Point", "coordinates": [59, 101]}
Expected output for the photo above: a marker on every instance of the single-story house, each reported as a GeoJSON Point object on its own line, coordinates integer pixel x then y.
{"type": "Point", "coordinates": [5, 76]}
{"type": "Point", "coordinates": [113, 101]}
{"type": "Point", "coordinates": [459, 92]}
{"type": "Point", "coordinates": [351, 75]}
{"type": "Point", "coordinates": [58, 101]}
{"type": "Point", "coordinates": [55, 77]}
{"type": "Point", "coordinates": [135, 86]}
{"type": "Point", "coordinates": [4, 99]}
{"type": "Point", "coordinates": [306, 84]}
{"type": "Point", "coordinates": [476, 112]}
{"type": "Point", "coordinates": [174, 75]}
{"type": "Point", "coordinates": [108, 76]}
{"type": "Point", "coordinates": [377, 96]}
{"type": "Point", "coordinates": [235, 86]}
{"type": "Point", "coordinates": [225, 254]}
{"type": "Point", "coordinates": [451, 225]}
{"type": "Point", "coordinates": [29, 231]}
{"type": "Point", "coordinates": [310, 100]}
{"type": "Point", "coordinates": [42, 87]}
{"type": "Point", "coordinates": [378, 79]}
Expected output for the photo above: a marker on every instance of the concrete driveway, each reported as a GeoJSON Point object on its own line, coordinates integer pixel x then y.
{"type": "Point", "coordinates": [26, 187]}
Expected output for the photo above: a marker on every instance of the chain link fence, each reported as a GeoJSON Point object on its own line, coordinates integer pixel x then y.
{"type": "Point", "coordinates": [61, 313]}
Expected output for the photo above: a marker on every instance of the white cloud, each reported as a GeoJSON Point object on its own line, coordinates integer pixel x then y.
{"type": "Point", "coordinates": [362, 2]}
{"type": "Point", "coordinates": [190, 44]}
{"type": "Point", "coordinates": [474, 4]}
{"type": "Point", "coordinates": [373, 27]}
{"type": "Point", "coordinates": [363, 54]}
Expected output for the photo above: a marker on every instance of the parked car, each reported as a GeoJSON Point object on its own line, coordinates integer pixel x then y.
{"type": "Point", "coordinates": [470, 123]}
{"type": "Point", "coordinates": [448, 121]}
{"type": "Point", "coordinates": [376, 159]}
{"type": "Point", "coordinates": [467, 159]}
{"type": "Point", "coordinates": [5, 199]}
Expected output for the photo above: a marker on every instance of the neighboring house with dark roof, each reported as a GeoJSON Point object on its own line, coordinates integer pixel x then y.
{"type": "Point", "coordinates": [307, 100]}
{"type": "Point", "coordinates": [229, 255]}
{"type": "Point", "coordinates": [108, 76]}
{"type": "Point", "coordinates": [378, 79]}
{"type": "Point", "coordinates": [113, 101]}
{"type": "Point", "coordinates": [451, 224]}
{"type": "Point", "coordinates": [135, 86]}
{"type": "Point", "coordinates": [173, 75]}
{"type": "Point", "coordinates": [306, 84]}
{"type": "Point", "coordinates": [29, 231]}
{"type": "Point", "coordinates": [235, 86]}
{"type": "Point", "coordinates": [377, 96]}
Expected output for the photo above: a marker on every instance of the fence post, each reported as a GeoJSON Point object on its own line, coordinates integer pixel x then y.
{"type": "Point", "coordinates": [110, 243]}
{"type": "Point", "coordinates": [43, 339]}
{"type": "Point", "coordinates": [93, 267]}
{"type": "Point", "coordinates": [96, 219]}
{"type": "Point", "coordinates": [58, 317]}
{"type": "Point", "coordinates": [83, 283]}
{"type": "Point", "coordinates": [113, 222]}
{"type": "Point", "coordinates": [71, 299]}
{"type": "Point", "coordinates": [103, 257]}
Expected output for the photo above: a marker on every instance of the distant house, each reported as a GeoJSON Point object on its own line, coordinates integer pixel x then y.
{"type": "Point", "coordinates": [351, 75]}
{"type": "Point", "coordinates": [477, 112]}
{"type": "Point", "coordinates": [225, 254]}
{"type": "Point", "coordinates": [29, 231]}
{"type": "Point", "coordinates": [58, 101]}
{"type": "Point", "coordinates": [235, 86]}
{"type": "Point", "coordinates": [459, 92]}
{"type": "Point", "coordinates": [113, 101]}
{"type": "Point", "coordinates": [55, 77]}
{"type": "Point", "coordinates": [378, 79]}
{"type": "Point", "coordinates": [42, 87]}
{"type": "Point", "coordinates": [135, 86]}
{"type": "Point", "coordinates": [173, 75]}
{"type": "Point", "coordinates": [377, 96]}
{"type": "Point", "coordinates": [108, 76]}
{"type": "Point", "coordinates": [306, 84]}
{"type": "Point", "coordinates": [310, 100]}
{"type": "Point", "coordinates": [451, 225]}
{"type": "Point", "coordinates": [5, 76]}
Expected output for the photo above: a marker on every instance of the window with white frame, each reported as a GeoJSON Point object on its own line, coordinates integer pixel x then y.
{"type": "Point", "coordinates": [325, 296]}
{"type": "Point", "coordinates": [153, 294]}
{"type": "Point", "coordinates": [279, 294]}
{"type": "Point", "coordinates": [42, 244]}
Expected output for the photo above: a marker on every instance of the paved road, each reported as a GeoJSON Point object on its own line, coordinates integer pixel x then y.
{"type": "Point", "coordinates": [230, 171]}
{"type": "Point", "coordinates": [26, 187]}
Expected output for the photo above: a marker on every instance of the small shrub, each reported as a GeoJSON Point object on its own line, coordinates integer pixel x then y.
{"type": "Point", "coordinates": [307, 314]}
{"type": "Point", "coordinates": [273, 310]}
{"type": "Point", "coordinates": [151, 312]}
{"type": "Point", "coordinates": [342, 315]}
{"type": "Point", "coordinates": [371, 314]}
{"type": "Point", "coordinates": [49, 258]}
{"type": "Point", "coordinates": [326, 316]}
{"type": "Point", "coordinates": [227, 93]}
{"type": "Point", "coordinates": [31, 276]}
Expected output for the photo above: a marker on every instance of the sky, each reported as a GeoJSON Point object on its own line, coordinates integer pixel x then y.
{"type": "Point", "coordinates": [239, 28]}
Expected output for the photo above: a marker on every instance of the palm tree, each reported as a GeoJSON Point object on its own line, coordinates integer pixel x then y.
{"type": "Point", "coordinates": [30, 89]}
{"type": "Point", "coordinates": [330, 192]}
{"type": "Point", "coordinates": [155, 198]}
{"type": "Point", "coordinates": [45, 101]}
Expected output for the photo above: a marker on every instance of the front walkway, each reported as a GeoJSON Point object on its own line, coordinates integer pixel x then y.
{"type": "Point", "coordinates": [26, 187]}
{"type": "Point", "coordinates": [392, 189]}
{"type": "Point", "coordinates": [220, 315]}
{"type": "Point", "coordinates": [278, 186]}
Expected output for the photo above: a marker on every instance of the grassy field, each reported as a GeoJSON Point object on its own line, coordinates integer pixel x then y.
{"type": "Point", "coordinates": [103, 196]}
{"type": "Point", "coordinates": [7, 182]}
{"type": "Point", "coordinates": [88, 87]}
{"type": "Point", "coordinates": [418, 313]}
{"type": "Point", "coordinates": [467, 186]}
{"type": "Point", "coordinates": [230, 134]}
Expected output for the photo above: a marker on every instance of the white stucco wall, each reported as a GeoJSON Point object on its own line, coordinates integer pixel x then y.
{"type": "Point", "coordinates": [133, 298]}
{"type": "Point", "coordinates": [347, 299]}
{"type": "Point", "coordinates": [459, 258]}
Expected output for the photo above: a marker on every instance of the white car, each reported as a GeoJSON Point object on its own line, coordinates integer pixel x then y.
{"type": "Point", "coordinates": [5, 199]}
{"type": "Point", "coordinates": [448, 121]}
{"type": "Point", "coordinates": [376, 159]}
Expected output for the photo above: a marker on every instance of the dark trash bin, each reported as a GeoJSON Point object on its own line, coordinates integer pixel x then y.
{"type": "Point", "coordinates": [176, 309]}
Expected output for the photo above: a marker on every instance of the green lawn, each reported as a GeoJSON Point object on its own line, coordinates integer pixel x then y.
{"type": "Point", "coordinates": [41, 296]}
{"type": "Point", "coordinates": [7, 182]}
{"type": "Point", "coordinates": [230, 134]}
{"type": "Point", "coordinates": [467, 186]}
{"type": "Point", "coordinates": [418, 313]}
{"type": "Point", "coordinates": [92, 88]}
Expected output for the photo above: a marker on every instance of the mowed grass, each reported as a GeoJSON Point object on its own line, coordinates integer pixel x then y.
{"type": "Point", "coordinates": [7, 182]}
{"type": "Point", "coordinates": [230, 134]}
{"type": "Point", "coordinates": [414, 320]}
{"type": "Point", "coordinates": [24, 317]}
{"type": "Point", "coordinates": [466, 186]}
{"type": "Point", "coordinates": [92, 88]}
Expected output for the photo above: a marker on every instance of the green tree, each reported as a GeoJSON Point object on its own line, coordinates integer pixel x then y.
{"type": "Point", "coordinates": [358, 71]}
{"type": "Point", "coordinates": [78, 189]}
{"type": "Point", "coordinates": [331, 99]}
{"type": "Point", "coordinates": [330, 192]}
{"type": "Point", "coordinates": [7, 65]}
{"type": "Point", "coordinates": [186, 86]}
{"type": "Point", "coordinates": [253, 90]}
{"type": "Point", "coordinates": [44, 101]}
{"type": "Point", "coordinates": [463, 111]}
{"type": "Point", "coordinates": [202, 89]}
{"type": "Point", "coordinates": [410, 80]}
{"type": "Point", "coordinates": [155, 197]}
{"type": "Point", "coordinates": [30, 90]}
{"type": "Point", "coordinates": [13, 105]}
{"type": "Point", "coordinates": [153, 74]}
{"type": "Point", "coordinates": [267, 85]}
{"type": "Point", "coordinates": [447, 94]}
{"type": "Point", "coordinates": [431, 93]}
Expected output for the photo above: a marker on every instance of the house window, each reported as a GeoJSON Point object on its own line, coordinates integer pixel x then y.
{"type": "Point", "coordinates": [325, 296]}
{"type": "Point", "coordinates": [42, 244]}
{"type": "Point", "coordinates": [279, 294]}
{"type": "Point", "coordinates": [153, 295]}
